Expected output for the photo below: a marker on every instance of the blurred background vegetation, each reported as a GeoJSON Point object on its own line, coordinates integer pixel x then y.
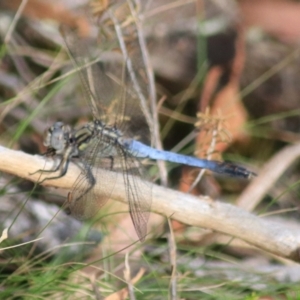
{"type": "Point", "coordinates": [226, 75]}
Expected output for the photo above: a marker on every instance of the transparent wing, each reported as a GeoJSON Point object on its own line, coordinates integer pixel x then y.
{"type": "Point", "coordinates": [83, 202]}
{"type": "Point", "coordinates": [108, 85]}
{"type": "Point", "coordinates": [81, 60]}
{"type": "Point", "coordinates": [139, 194]}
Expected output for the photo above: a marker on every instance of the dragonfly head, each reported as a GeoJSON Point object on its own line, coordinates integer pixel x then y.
{"type": "Point", "coordinates": [57, 138]}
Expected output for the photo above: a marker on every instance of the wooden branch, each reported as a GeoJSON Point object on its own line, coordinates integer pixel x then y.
{"type": "Point", "coordinates": [196, 211]}
{"type": "Point", "coordinates": [268, 176]}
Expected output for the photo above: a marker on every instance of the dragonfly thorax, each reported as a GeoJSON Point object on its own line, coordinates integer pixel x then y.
{"type": "Point", "coordinates": [97, 134]}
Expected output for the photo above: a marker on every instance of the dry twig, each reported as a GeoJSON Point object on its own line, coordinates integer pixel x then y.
{"type": "Point", "coordinates": [196, 211]}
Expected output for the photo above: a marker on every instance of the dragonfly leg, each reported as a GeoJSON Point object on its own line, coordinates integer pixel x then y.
{"type": "Point", "coordinates": [48, 171]}
{"type": "Point", "coordinates": [62, 168]}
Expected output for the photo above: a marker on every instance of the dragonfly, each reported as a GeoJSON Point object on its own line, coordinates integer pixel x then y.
{"type": "Point", "coordinates": [115, 140]}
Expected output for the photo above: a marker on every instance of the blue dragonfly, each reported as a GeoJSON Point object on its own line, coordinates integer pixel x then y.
{"type": "Point", "coordinates": [116, 139]}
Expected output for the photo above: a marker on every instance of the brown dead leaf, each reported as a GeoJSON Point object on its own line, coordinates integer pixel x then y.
{"type": "Point", "coordinates": [227, 102]}
{"type": "Point", "coordinates": [226, 111]}
{"type": "Point", "coordinates": [277, 17]}
{"type": "Point", "coordinates": [226, 105]}
{"type": "Point", "coordinates": [211, 81]}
